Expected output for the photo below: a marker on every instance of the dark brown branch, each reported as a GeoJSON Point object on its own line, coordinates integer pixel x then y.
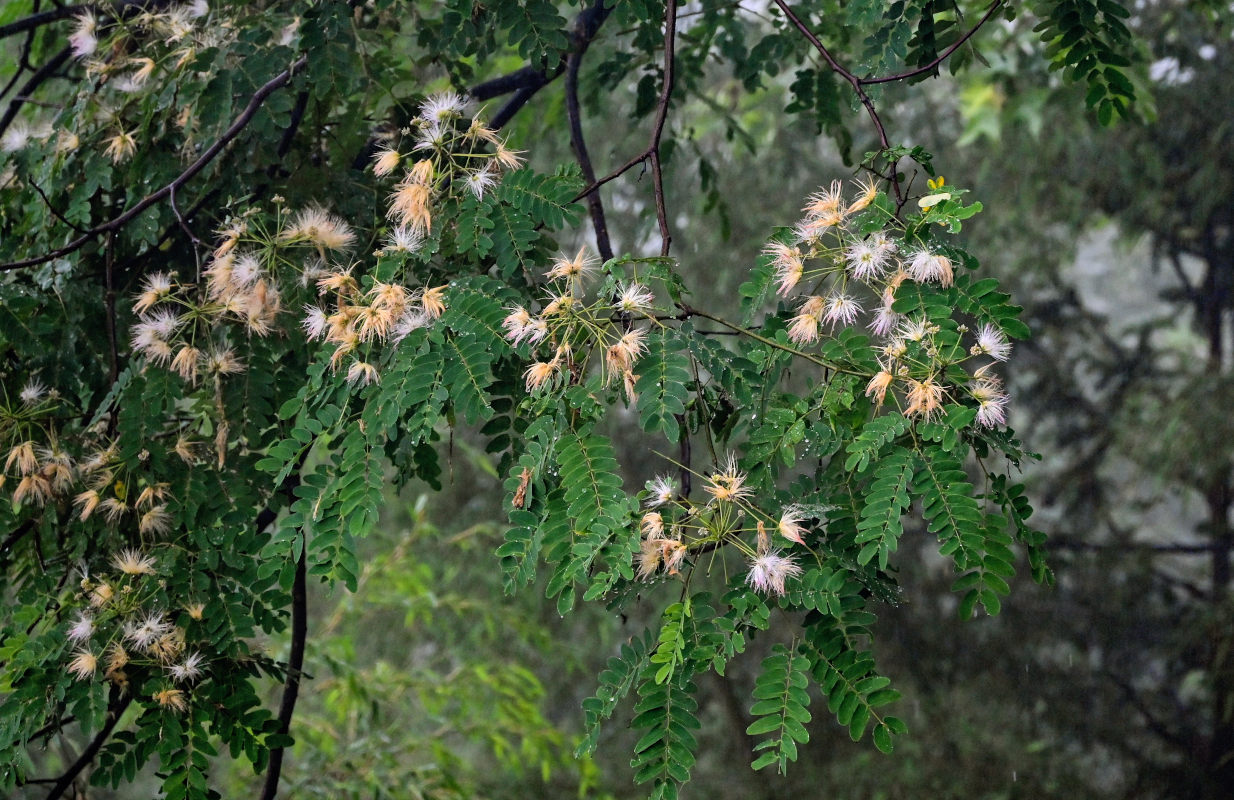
{"type": "Point", "coordinates": [579, 144]}
{"type": "Point", "coordinates": [60, 12]}
{"type": "Point", "coordinates": [113, 225]}
{"type": "Point", "coordinates": [657, 130]}
{"type": "Point", "coordinates": [527, 81]}
{"type": "Point", "coordinates": [109, 301]}
{"type": "Point", "coordinates": [652, 154]}
{"type": "Point", "coordinates": [853, 81]}
{"type": "Point", "coordinates": [295, 665]}
{"type": "Point", "coordinates": [943, 56]}
{"type": "Point", "coordinates": [114, 711]}
{"type": "Point", "coordinates": [297, 116]}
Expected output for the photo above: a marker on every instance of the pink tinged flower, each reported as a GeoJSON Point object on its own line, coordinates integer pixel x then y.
{"type": "Point", "coordinates": [770, 570]}
{"type": "Point", "coordinates": [652, 525]}
{"type": "Point", "coordinates": [146, 631]}
{"type": "Point", "coordinates": [574, 269]}
{"type": "Point", "coordinates": [84, 38]}
{"type": "Point", "coordinates": [541, 373]}
{"type": "Point", "coordinates": [991, 402]}
{"type": "Point", "coordinates": [925, 399]}
{"type": "Point", "coordinates": [442, 107]}
{"type": "Point", "coordinates": [825, 202]}
{"type": "Point", "coordinates": [404, 240]}
{"type": "Point", "coordinates": [788, 264]}
{"type": "Point", "coordinates": [32, 393]}
{"type": "Point", "coordinates": [865, 261]}
{"type": "Point", "coordinates": [362, 372]}
{"type": "Point", "coordinates": [878, 385]}
{"type": "Point", "coordinates": [516, 324]}
{"type": "Point", "coordinates": [133, 562]}
{"type": "Point", "coordinates": [315, 322]}
{"type": "Point", "coordinates": [925, 266]}
{"type": "Point", "coordinates": [841, 309]}
{"type": "Point", "coordinates": [384, 161]}
{"type": "Point", "coordinates": [884, 321]}
{"type": "Point", "coordinates": [411, 320]}
{"type": "Point", "coordinates": [663, 489]}
{"type": "Point", "coordinates": [992, 342]}
{"type": "Point", "coordinates": [82, 628]}
{"type": "Point", "coordinates": [914, 330]}
{"type": "Point", "coordinates": [803, 329]}
{"type": "Point", "coordinates": [790, 526]}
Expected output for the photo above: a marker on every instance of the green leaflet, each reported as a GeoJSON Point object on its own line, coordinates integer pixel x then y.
{"type": "Point", "coordinates": [664, 375]}
{"type": "Point", "coordinates": [781, 708]}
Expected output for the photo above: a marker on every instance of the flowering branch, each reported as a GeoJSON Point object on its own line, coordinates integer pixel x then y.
{"type": "Point", "coordinates": [113, 225]}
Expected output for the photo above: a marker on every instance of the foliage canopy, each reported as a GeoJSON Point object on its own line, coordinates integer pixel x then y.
{"type": "Point", "coordinates": [261, 260]}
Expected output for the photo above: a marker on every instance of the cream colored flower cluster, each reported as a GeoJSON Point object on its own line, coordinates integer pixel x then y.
{"type": "Point", "coordinates": [448, 156]}
{"type": "Point", "coordinates": [845, 266]}
{"type": "Point", "coordinates": [673, 526]}
{"type": "Point", "coordinates": [119, 628]}
{"type": "Point", "coordinates": [574, 331]}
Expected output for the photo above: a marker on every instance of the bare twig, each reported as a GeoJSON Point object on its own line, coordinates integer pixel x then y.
{"type": "Point", "coordinates": [113, 225]}
{"type": "Point", "coordinates": [657, 131]}
{"type": "Point", "coordinates": [651, 155]}
{"type": "Point", "coordinates": [527, 81]}
{"type": "Point", "coordinates": [55, 213]}
{"type": "Point", "coordinates": [853, 81]}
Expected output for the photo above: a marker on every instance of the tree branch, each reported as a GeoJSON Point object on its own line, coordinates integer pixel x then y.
{"type": "Point", "coordinates": [853, 81]}
{"type": "Point", "coordinates": [295, 665]}
{"type": "Point", "coordinates": [62, 12]}
{"type": "Point", "coordinates": [912, 73]}
{"type": "Point", "coordinates": [527, 81]}
{"type": "Point", "coordinates": [579, 144]}
{"type": "Point", "coordinates": [113, 225]}
{"type": "Point", "coordinates": [36, 80]}
{"type": "Point", "coordinates": [115, 709]}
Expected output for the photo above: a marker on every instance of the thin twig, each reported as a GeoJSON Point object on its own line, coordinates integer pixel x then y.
{"type": "Point", "coordinates": [912, 73]}
{"type": "Point", "coordinates": [657, 131]}
{"type": "Point", "coordinates": [51, 208]}
{"type": "Point", "coordinates": [114, 711]}
{"type": "Point", "coordinates": [651, 155]}
{"type": "Point", "coordinates": [113, 225]}
{"type": "Point", "coordinates": [853, 81]}
{"type": "Point", "coordinates": [527, 81]}
{"type": "Point", "coordinates": [109, 300]}
{"type": "Point", "coordinates": [36, 80]}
